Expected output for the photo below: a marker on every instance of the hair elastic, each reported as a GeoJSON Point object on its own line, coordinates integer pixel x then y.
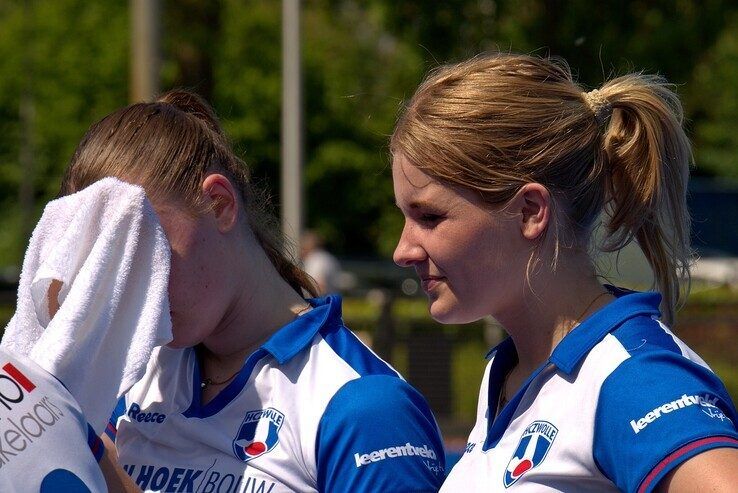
{"type": "Point", "coordinates": [599, 105]}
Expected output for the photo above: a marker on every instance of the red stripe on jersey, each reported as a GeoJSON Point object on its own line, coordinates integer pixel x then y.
{"type": "Point", "coordinates": [679, 453]}
{"type": "Point", "coordinates": [22, 380]}
{"type": "Point", "coordinates": [95, 446]}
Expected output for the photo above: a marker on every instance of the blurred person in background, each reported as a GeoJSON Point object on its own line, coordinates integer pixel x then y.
{"type": "Point", "coordinates": [259, 386]}
{"type": "Point", "coordinates": [318, 263]}
{"type": "Point", "coordinates": [502, 167]}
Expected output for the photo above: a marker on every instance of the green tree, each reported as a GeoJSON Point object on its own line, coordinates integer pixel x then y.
{"type": "Point", "coordinates": [355, 75]}
{"type": "Point", "coordinates": [360, 59]}
{"type": "Point", "coordinates": [715, 105]}
{"type": "Point", "coordinates": [77, 55]}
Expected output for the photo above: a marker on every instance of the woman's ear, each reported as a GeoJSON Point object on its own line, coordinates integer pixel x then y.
{"type": "Point", "coordinates": [533, 204]}
{"type": "Point", "coordinates": [219, 192]}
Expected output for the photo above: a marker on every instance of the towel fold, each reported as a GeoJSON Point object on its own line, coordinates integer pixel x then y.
{"type": "Point", "coordinates": [106, 254]}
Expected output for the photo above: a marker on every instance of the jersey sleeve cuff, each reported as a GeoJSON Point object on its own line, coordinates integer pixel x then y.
{"type": "Point", "coordinates": [95, 443]}
{"type": "Point", "coordinates": [682, 454]}
{"type": "Point", "coordinates": [120, 409]}
{"type": "Point", "coordinates": [111, 431]}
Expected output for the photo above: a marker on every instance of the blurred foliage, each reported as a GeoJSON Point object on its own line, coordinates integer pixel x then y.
{"type": "Point", "coordinates": [68, 60]}
{"type": "Point", "coordinates": [705, 295]}
{"type": "Point", "coordinates": [71, 57]}
{"type": "Point", "coordinates": [716, 103]}
{"type": "Point", "coordinates": [728, 373]}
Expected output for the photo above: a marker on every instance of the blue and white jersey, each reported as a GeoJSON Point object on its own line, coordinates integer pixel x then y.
{"type": "Point", "coordinates": [619, 404]}
{"type": "Point", "coordinates": [313, 409]}
{"type": "Point", "coordinates": [46, 445]}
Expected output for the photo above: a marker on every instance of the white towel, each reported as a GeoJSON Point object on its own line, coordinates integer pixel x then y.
{"type": "Point", "coordinates": [106, 246]}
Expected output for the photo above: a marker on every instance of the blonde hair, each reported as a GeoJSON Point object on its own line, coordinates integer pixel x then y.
{"type": "Point", "coordinates": [169, 146]}
{"type": "Point", "coordinates": [495, 123]}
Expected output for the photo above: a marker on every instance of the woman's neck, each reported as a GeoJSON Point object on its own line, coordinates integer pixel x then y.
{"type": "Point", "coordinates": [264, 302]}
{"type": "Point", "coordinates": [546, 313]}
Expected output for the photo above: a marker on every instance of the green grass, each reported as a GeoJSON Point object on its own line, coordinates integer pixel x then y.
{"type": "Point", "coordinates": [708, 294]}
{"type": "Point", "coordinates": [467, 366]}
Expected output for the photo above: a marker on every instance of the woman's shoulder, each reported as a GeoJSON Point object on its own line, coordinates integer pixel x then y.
{"type": "Point", "coordinates": [662, 384]}
{"type": "Point", "coordinates": [348, 349]}
{"type": "Point", "coordinates": [354, 379]}
{"type": "Point", "coordinates": [654, 360]}
{"type": "Point", "coordinates": [165, 369]}
{"type": "Point", "coordinates": [334, 345]}
{"type": "Point", "coordinates": [644, 335]}
{"type": "Point", "coordinates": [662, 397]}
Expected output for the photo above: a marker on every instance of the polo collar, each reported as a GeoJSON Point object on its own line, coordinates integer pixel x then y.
{"type": "Point", "coordinates": [579, 342]}
{"type": "Point", "coordinates": [566, 356]}
{"type": "Point", "coordinates": [283, 345]}
{"type": "Point", "coordinates": [297, 335]}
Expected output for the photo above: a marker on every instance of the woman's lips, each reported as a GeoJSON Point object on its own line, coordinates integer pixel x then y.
{"type": "Point", "coordinates": [431, 282]}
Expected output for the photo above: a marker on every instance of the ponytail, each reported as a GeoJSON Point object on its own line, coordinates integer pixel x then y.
{"type": "Point", "coordinates": [647, 153]}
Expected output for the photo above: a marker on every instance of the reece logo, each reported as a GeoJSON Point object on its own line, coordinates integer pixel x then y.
{"type": "Point", "coordinates": [135, 413]}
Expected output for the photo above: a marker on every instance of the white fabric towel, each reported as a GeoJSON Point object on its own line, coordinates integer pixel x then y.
{"type": "Point", "coordinates": [106, 247]}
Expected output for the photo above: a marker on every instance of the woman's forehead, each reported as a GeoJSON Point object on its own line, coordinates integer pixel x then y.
{"type": "Point", "coordinates": [404, 170]}
{"type": "Point", "coordinates": [415, 189]}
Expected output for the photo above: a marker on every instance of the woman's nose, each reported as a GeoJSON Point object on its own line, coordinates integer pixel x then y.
{"type": "Point", "coordinates": [408, 251]}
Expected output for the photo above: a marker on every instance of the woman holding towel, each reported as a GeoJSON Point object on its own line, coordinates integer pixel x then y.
{"type": "Point", "coordinates": [261, 389]}
{"type": "Point", "coordinates": [502, 167]}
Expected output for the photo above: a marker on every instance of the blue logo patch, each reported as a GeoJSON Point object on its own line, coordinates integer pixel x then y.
{"type": "Point", "coordinates": [258, 434]}
{"type": "Point", "coordinates": [532, 449]}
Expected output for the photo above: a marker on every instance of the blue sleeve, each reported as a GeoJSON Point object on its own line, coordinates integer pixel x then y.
{"type": "Point", "coordinates": [378, 434]}
{"type": "Point", "coordinates": [655, 411]}
{"type": "Point", "coordinates": [120, 409]}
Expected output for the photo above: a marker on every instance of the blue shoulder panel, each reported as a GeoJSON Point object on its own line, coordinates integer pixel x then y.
{"type": "Point", "coordinates": [378, 434]}
{"type": "Point", "coordinates": [354, 352]}
{"type": "Point", "coordinates": [657, 409]}
{"type": "Point", "coordinates": [644, 334]}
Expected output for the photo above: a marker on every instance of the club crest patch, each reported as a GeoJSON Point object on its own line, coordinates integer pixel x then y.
{"type": "Point", "coordinates": [532, 449]}
{"type": "Point", "coordinates": [258, 433]}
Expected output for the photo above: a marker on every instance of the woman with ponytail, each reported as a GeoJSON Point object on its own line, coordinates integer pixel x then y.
{"type": "Point", "coordinates": [503, 167]}
{"type": "Point", "coordinates": [261, 389]}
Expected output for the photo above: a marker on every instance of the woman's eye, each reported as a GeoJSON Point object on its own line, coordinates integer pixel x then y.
{"type": "Point", "coordinates": [430, 218]}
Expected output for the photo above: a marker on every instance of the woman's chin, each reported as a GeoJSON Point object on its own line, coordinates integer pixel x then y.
{"type": "Point", "coordinates": [441, 312]}
{"type": "Point", "coordinates": [449, 313]}
{"type": "Point", "coordinates": [175, 344]}
{"type": "Point", "coordinates": [180, 339]}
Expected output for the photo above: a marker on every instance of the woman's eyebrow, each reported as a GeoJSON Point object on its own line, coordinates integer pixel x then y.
{"type": "Point", "coordinates": [417, 204]}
